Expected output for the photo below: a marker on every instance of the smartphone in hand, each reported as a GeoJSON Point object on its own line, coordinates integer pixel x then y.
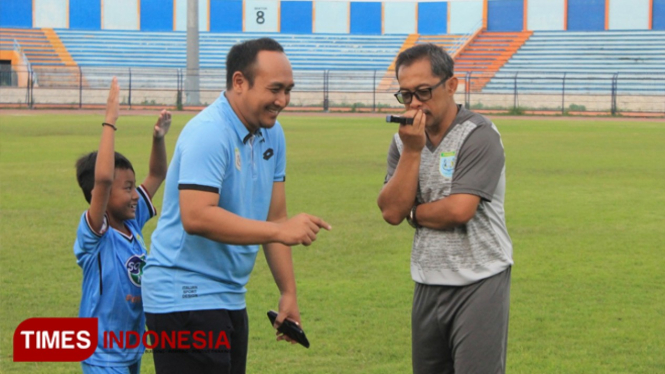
{"type": "Point", "coordinates": [290, 329]}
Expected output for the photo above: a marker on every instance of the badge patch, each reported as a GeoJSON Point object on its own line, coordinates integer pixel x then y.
{"type": "Point", "coordinates": [238, 164]}
{"type": "Point", "coordinates": [267, 154]}
{"type": "Point", "coordinates": [447, 164]}
{"type": "Point", "coordinates": [134, 266]}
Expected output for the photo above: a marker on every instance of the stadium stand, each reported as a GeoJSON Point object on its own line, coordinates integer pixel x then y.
{"type": "Point", "coordinates": [589, 60]}
{"type": "Point", "coordinates": [357, 55]}
{"type": "Point", "coordinates": [487, 53]}
{"type": "Point", "coordinates": [46, 54]}
{"type": "Point", "coordinates": [452, 43]}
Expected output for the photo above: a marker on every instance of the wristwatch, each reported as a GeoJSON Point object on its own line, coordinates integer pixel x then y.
{"type": "Point", "coordinates": [411, 218]}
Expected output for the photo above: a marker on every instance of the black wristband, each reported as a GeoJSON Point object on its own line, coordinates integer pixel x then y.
{"type": "Point", "coordinates": [108, 124]}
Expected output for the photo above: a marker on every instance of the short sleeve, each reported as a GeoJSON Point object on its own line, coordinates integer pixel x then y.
{"type": "Point", "coordinates": [204, 157]}
{"type": "Point", "coordinates": [280, 161]}
{"type": "Point", "coordinates": [480, 163]}
{"type": "Point", "coordinates": [144, 209]}
{"type": "Point", "coordinates": [393, 160]}
{"type": "Point", "coordinates": [86, 238]}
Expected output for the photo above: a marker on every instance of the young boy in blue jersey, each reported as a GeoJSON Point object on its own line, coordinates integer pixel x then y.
{"type": "Point", "coordinates": [109, 246]}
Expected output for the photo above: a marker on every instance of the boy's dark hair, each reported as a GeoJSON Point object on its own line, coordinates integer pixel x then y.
{"type": "Point", "coordinates": [85, 171]}
{"type": "Point", "coordinates": [242, 57]}
{"type": "Point", "coordinates": [442, 64]}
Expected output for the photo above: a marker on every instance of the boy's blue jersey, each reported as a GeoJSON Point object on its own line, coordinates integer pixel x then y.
{"type": "Point", "coordinates": [112, 266]}
{"type": "Point", "coordinates": [216, 153]}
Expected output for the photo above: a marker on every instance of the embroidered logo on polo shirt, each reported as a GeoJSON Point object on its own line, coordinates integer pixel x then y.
{"type": "Point", "coordinates": [134, 266]}
{"type": "Point", "coordinates": [238, 164]}
{"type": "Point", "coordinates": [447, 164]}
{"type": "Point", "coordinates": [267, 154]}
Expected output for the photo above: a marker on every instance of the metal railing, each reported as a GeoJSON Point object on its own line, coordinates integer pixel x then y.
{"type": "Point", "coordinates": [329, 90]}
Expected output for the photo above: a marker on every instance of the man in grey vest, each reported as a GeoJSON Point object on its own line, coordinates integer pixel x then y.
{"type": "Point", "coordinates": [446, 176]}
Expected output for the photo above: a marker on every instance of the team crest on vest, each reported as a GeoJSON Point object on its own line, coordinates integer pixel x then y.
{"type": "Point", "coordinates": [238, 164]}
{"type": "Point", "coordinates": [134, 266]}
{"type": "Point", "coordinates": [447, 164]}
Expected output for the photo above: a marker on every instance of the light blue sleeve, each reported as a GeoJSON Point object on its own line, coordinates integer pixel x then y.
{"type": "Point", "coordinates": [144, 209]}
{"type": "Point", "coordinates": [87, 239]}
{"type": "Point", "coordinates": [204, 157]}
{"type": "Point", "coordinates": [280, 154]}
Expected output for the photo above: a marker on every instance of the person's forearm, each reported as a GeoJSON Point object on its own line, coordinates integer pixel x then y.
{"type": "Point", "coordinates": [158, 165]}
{"type": "Point", "coordinates": [220, 225]}
{"type": "Point", "coordinates": [105, 163]}
{"type": "Point", "coordinates": [399, 194]}
{"type": "Point", "coordinates": [447, 213]}
{"type": "Point", "coordinates": [280, 262]}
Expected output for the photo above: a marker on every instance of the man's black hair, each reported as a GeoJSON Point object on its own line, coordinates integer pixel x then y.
{"type": "Point", "coordinates": [442, 64]}
{"type": "Point", "coordinates": [242, 58]}
{"type": "Point", "coordinates": [85, 171]}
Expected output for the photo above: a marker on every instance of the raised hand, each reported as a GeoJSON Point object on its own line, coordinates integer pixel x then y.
{"type": "Point", "coordinates": [113, 103]}
{"type": "Point", "coordinates": [163, 124]}
{"type": "Point", "coordinates": [413, 136]}
{"type": "Point", "coordinates": [301, 229]}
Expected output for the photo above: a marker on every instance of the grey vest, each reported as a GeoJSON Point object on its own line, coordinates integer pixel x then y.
{"type": "Point", "coordinates": [468, 253]}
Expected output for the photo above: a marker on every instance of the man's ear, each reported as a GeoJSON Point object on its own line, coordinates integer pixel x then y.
{"type": "Point", "coordinates": [451, 85]}
{"type": "Point", "coordinates": [239, 81]}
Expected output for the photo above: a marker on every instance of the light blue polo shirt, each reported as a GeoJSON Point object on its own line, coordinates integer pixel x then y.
{"type": "Point", "coordinates": [215, 152]}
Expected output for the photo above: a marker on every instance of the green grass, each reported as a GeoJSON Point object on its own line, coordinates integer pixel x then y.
{"type": "Point", "coordinates": [584, 207]}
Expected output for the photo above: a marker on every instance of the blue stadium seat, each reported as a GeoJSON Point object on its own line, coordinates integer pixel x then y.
{"type": "Point", "coordinates": [589, 60]}
{"type": "Point", "coordinates": [138, 50]}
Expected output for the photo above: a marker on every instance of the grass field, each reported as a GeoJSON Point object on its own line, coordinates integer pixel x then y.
{"type": "Point", "coordinates": [584, 207]}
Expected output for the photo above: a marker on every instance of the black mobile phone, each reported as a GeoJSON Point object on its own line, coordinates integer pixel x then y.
{"type": "Point", "coordinates": [290, 329]}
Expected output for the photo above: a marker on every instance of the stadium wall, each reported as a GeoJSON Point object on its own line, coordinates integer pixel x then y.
{"type": "Point", "coordinates": [433, 18]}
{"type": "Point", "coordinates": [333, 16]}
{"type": "Point", "coordinates": [546, 15]}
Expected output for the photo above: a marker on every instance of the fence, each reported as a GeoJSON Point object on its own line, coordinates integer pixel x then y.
{"type": "Point", "coordinates": [331, 90]}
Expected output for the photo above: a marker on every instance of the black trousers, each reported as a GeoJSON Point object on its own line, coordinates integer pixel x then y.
{"type": "Point", "coordinates": [198, 334]}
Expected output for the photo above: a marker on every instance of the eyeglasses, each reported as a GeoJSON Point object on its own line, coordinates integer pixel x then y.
{"type": "Point", "coordinates": [423, 94]}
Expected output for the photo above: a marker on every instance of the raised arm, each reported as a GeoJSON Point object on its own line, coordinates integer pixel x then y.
{"type": "Point", "coordinates": [158, 164]}
{"type": "Point", "coordinates": [105, 163]}
{"type": "Point", "coordinates": [399, 193]}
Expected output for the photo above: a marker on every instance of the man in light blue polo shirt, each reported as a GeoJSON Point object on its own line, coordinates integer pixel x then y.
{"type": "Point", "coordinates": [224, 196]}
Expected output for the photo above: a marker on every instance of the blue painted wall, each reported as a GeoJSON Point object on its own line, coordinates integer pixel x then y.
{"type": "Point", "coordinates": [296, 17]}
{"type": "Point", "coordinates": [432, 18]}
{"type": "Point", "coordinates": [586, 15]}
{"type": "Point", "coordinates": [157, 15]}
{"type": "Point", "coordinates": [16, 13]}
{"type": "Point", "coordinates": [505, 15]}
{"type": "Point", "coordinates": [226, 15]}
{"type": "Point", "coordinates": [366, 18]}
{"type": "Point", "coordinates": [658, 15]}
{"type": "Point", "coordinates": [85, 15]}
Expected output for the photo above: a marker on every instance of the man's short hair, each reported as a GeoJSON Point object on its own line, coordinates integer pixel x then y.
{"type": "Point", "coordinates": [242, 58]}
{"type": "Point", "coordinates": [443, 65]}
{"type": "Point", "coordinates": [85, 171]}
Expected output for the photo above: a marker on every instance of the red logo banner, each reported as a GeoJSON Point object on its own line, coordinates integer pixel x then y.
{"type": "Point", "coordinates": [55, 339]}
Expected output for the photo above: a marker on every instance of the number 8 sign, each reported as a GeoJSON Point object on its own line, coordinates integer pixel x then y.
{"type": "Point", "coordinates": [261, 15]}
